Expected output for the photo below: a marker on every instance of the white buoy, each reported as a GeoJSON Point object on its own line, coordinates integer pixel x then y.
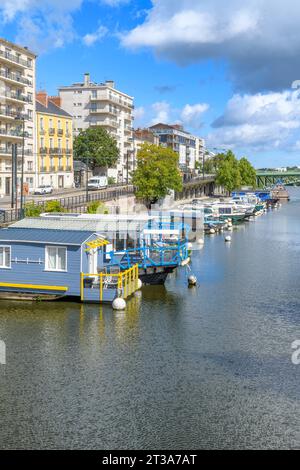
{"type": "Point", "coordinates": [189, 246]}
{"type": "Point", "coordinates": [139, 284]}
{"type": "Point", "coordinates": [192, 281]}
{"type": "Point", "coordinates": [228, 239]}
{"type": "Point", "coordinates": [212, 231]}
{"type": "Point", "coordinates": [200, 241]}
{"type": "Point", "coordinates": [119, 304]}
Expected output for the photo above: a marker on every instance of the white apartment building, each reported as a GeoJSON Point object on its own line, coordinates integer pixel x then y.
{"type": "Point", "coordinates": [93, 104]}
{"type": "Point", "coordinates": [190, 148]}
{"type": "Point", "coordinates": [17, 105]}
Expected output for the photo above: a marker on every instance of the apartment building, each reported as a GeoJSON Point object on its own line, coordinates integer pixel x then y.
{"type": "Point", "coordinates": [17, 109]}
{"type": "Point", "coordinates": [189, 147]}
{"type": "Point", "coordinates": [143, 136]}
{"type": "Point", "coordinates": [54, 142]}
{"type": "Point", "coordinates": [93, 104]}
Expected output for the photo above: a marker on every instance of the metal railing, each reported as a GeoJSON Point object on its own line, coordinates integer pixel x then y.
{"type": "Point", "coordinates": [15, 77]}
{"type": "Point", "coordinates": [16, 59]}
{"type": "Point", "coordinates": [10, 215]}
{"type": "Point", "coordinates": [125, 283]}
{"type": "Point", "coordinates": [80, 202]}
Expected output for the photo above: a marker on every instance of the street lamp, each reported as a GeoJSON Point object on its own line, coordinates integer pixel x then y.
{"type": "Point", "coordinates": [22, 118]}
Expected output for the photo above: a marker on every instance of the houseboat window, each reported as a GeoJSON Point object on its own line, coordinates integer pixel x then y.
{"type": "Point", "coordinates": [5, 257]}
{"type": "Point", "coordinates": [56, 258]}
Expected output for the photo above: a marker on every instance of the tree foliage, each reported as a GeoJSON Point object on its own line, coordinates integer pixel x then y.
{"type": "Point", "coordinates": [248, 173]}
{"type": "Point", "coordinates": [157, 173]}
{"type": "Point", "coordinates": [96, 145]}
{"type": "Point", "coordinates": [231, 173]}
{"type": "Point", "coordinates": [97, 207]}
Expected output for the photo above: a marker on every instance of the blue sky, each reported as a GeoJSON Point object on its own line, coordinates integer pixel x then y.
{"type": "Point", "coordinates": [218, 69]}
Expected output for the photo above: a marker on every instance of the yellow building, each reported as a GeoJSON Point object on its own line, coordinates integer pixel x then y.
{"type": "Point", "coordinates": [54, 143]}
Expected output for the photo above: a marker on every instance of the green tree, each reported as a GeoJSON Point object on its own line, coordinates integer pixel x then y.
{"type": "Point", "coordinates": [98, 146]}
{"type": "Point", "coordinates": [228, 173]}
{"type": "Point", "coordinates": [157, 173]}
{"type": "Point", "coordinates": [248, 173]}
{"type": "Point", "coordinates": [97, 207]}
{"type": "Point", "coordinates": [54, 206]}
{"type": "Point", "coordinates": [33, 210]}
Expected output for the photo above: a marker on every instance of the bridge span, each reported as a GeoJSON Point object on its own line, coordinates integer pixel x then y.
{"type": "Point", "coordinates": [269, 178]}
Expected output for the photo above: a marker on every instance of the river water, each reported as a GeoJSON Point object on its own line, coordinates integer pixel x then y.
{"type": "Point", "coordinates": [208, 367]}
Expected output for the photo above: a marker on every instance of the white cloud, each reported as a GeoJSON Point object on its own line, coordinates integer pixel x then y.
{"type": "Point", "coordinates": [91, 38]}
{"type": "Point", "coordinates": [259, 39]}
{"type": "Point", "coordinates": [41, 24]}
{"type": "Point", "coordinates": [115, 3]}
{"type": "Point", "coordinates": [162, 111]}
{"type": "Point", "coordinates": [139, 114]}
{"type": "Point", "coordinates": [191, 114]}
{"type": "Point", "coordinates": [259, 122]}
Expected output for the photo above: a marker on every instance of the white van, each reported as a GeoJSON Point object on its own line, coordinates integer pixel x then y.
{"type": "Point", "coordinates": [97, 182]}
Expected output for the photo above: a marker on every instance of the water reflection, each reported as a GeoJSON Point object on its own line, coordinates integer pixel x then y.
{"type": "Point", "coordinates": [181, 368]}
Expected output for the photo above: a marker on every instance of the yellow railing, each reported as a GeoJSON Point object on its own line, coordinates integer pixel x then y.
{"type": "Point", "coordinates": [126, 282]}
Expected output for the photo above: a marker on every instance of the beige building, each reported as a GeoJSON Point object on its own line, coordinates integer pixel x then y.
{"type": "Point", "coordinates": [140, 137]}
{"type": "Point", "coordinates": [101, 104]}
{"type": "Point", "coordinates": [17, 107]}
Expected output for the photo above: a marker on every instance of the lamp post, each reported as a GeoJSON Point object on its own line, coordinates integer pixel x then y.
{"type": "Point", "coordinates": [87, 180]}
{"type": "Point", "coordinates": [22, 119]}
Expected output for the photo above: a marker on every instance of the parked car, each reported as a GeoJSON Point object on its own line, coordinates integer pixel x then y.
{"type": "Point", "coordinates": [44, 189]}
{"type": "Point", "coordinates": [97, 182]}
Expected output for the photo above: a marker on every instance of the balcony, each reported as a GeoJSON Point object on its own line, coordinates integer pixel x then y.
{"type": "Point", "coordinates": [60, 132]}
{"type": "Point", "coordinates": [104, 111]}
{"type": "Point", "coordinates": [68, 134]}
{"type": "Point", "coordinates": [13, 77]}
{"type": "Point", "coordinates": [43, 169]}
{"type": "Point", "coordinates": [52, 169]}
{"type": "Point", "coordinates": [7, 56]}
{"type": "Point", "coordinates": [68, 151]}
{"type": "Point", "coordinates": [43, 150]}
{"type": "Point", "coordinates": [51, 131]}
{"type": "Point", "coordinates": [4, 113]}
{"type": "Point", "coordinates": [7, 151]}
{"type": "Point", "coordinates": [61, 168]}
{"type": "Point", "coordinates": [16, 97]}
{"type": "Point", "coordinates": [69, 168]}
{"type": "Point", "coordinates": [42, 131]}
{"type": "Point", "coordinates": [11, 133]}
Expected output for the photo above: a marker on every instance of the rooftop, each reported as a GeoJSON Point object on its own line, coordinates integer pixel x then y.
{"type": "Point", "coordinates": [40, 235]}
{"type": "Point", "coordinates": [51, 109]}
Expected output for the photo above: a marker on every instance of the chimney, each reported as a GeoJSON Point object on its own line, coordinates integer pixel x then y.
{"type": "Point", "coordinates": [87, 79]}
{"type": "Point", "coordinates": [55, 100]}
{"type": "Point", "coordinates": [42, 98]}
{"type": "Point", "coordinates": [110, 83]}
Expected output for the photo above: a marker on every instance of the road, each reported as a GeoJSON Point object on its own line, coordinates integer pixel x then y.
{"type": "Point", "coordinates": [5, 202]}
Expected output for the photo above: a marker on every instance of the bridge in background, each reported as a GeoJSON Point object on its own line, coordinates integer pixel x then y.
{"type": "Point", "coordinates": [200, 186]}
{"type": "Point", "coordinates": [269, 178]}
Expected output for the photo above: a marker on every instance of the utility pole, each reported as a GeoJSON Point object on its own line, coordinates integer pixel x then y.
{"type": "Point", "coordinates": [87, 180]}
{"type": "Point", "coordinates": [22, 168]}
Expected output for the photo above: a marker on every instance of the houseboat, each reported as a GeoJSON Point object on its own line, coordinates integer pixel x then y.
{"type": "Point", "coordinates": [48, 264]}
{"type": "Point", "coordinates": [157, 246]}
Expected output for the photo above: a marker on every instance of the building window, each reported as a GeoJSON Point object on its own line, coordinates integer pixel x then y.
{"type": "Point", "coordinates": [41, 123]}
{"type": "Point", "coordinates": [56, 258]}
{"type": "Point", "coordinates": [29, 166]}
{"type": "Point", "coordinates": [5, 257]}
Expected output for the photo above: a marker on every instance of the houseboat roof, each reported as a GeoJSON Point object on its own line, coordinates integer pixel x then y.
{"type": "Point", "coordinates": [52, 236]}
{"type": "Point", "coordinates": [91, 224]}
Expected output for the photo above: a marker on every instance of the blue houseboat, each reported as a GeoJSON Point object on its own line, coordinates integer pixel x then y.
{"type": "Point", "coordinates": [49, 264]}
{"type": "Point", "coordinates": [157, 244]}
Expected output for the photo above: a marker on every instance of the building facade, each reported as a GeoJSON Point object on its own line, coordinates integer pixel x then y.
{"type": "Point", "coordinates": [143, 136]}
{"type": "Point", "coordinates": [189, 147]}
{"type": "Point", "coordinates": [93, 104]}
{"type": "Point", "coordinates": [17, 109]}
{"type": "Point", "coordinates": [54, 143]}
